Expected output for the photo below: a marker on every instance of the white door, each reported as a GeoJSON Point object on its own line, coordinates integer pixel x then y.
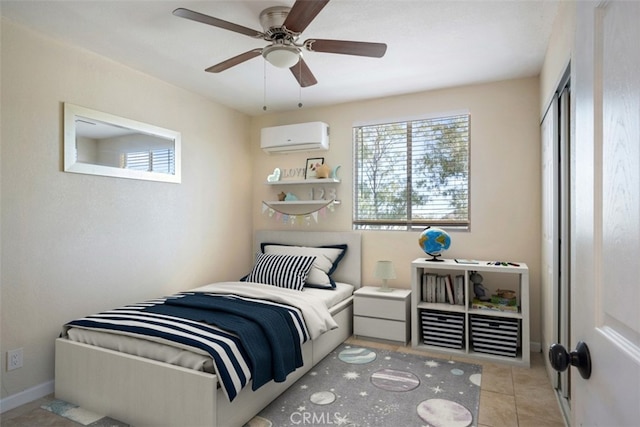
{"type": "Point", "coordinates": [605, 306]}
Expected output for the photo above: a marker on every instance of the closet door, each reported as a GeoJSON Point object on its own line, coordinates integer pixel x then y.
{"type": "Point", "coordinates": [550, 229]}
{"type": "Point", "coordinates": [555, 131]}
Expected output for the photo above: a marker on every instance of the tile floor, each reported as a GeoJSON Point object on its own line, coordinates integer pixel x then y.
{"type": "Point", "coordinates": [509, 396]}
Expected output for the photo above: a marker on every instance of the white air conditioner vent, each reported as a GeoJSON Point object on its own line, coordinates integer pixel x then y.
{"type": "Point", "coordinates": [313, 136]}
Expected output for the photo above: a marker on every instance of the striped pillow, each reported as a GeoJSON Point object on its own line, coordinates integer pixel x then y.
{"type": "Point", "coordinates": [284, 271]}
{"type": "Point", "coordinates": [327, 260]}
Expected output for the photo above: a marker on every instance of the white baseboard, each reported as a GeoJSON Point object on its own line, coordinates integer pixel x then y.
{"type": "Point", "coordinates": [27, 396]}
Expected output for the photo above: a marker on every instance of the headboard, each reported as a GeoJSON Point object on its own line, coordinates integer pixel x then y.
{"type": "Point", "coordinates": [349, 269]}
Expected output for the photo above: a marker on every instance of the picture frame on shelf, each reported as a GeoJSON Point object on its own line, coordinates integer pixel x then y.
{"type": "Point", "coordinates": [311, 166]}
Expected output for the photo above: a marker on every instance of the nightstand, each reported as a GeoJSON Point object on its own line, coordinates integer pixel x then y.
{"type": "Point", "coordinates": [383, 315]}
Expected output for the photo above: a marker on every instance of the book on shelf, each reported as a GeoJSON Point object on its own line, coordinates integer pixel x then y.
{"type": "Point", "coordinates": [423, 288]}
{"type": "Point", "coordinates": [488, 305]}
{"type": "Point", "coordinates": [432, 287]}
{"type": "Point", "coordinates": [440, 295]}
{"type": "Point", "coordinates": [466, 261]}
{"type": "Point", "coordinates": [449, 286]}
{"type": "Point", "coordinates": [442, 289]}
{"type": "Point", "coordinates": [459, 289]}
{"type": "Point", "coordinates": [429, 287]}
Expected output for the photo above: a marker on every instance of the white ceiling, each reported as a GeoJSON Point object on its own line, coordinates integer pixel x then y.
{"type": "Point", "coordinates": [431, 44]}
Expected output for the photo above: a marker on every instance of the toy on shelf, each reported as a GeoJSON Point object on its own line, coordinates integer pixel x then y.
{"type": "Point", "coordinates": [478, 288]}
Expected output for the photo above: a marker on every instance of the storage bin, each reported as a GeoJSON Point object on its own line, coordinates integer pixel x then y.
{"type": "Point", "coordinates": [495, 335]}
{"type": "Point", "coordinates": [442, 329]}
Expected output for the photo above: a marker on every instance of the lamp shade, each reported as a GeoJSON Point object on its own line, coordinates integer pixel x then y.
{"type": "Point", "coordinates": [384, 270]}
{"type": "Point", "coordinates": [281, 56]}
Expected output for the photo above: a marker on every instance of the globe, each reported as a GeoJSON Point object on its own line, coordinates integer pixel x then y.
{"type": "Point", "coordinates": [433, 241]}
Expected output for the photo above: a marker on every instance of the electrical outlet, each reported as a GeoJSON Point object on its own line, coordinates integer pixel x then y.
{"type": "Point", "coordinates": [14, 359]}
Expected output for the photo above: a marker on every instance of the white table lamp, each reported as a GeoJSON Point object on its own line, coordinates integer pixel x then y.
{"type": "Point", "coordinates": [385, 271]}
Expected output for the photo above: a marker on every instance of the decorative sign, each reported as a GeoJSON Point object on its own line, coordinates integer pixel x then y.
{"type": "Point", "coordinates": [293, 173]}
{"type": "Point", "coordinates": [275, 176]}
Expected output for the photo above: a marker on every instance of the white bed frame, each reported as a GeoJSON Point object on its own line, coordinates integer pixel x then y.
{"type": "Point", "coordinates": [144, 392]}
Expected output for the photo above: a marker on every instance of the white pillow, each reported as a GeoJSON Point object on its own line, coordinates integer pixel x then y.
{"type": "Point", "coordinates": [326, 261]}
{"type": "Point", "coordinates": [284, 271]}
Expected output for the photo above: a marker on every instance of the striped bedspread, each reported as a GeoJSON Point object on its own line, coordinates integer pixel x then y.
{"type": "Point", "coordinates": [248, 338]}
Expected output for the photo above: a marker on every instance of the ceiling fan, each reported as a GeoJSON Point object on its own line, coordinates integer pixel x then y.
{"type": "Point", "coordinates": [282, 27]}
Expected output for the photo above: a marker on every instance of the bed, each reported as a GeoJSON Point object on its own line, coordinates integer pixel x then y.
{"type": "Point", "coordinates": [146, 392]}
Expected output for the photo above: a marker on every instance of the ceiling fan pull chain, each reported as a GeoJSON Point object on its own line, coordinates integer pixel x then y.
{"type": "Point", "coordinates": [300, 86]}
{"type": "Point", "coordinates": [264, 106]}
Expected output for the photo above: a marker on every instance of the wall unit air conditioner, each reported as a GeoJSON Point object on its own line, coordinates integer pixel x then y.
{"type": "Point", "coordinates": [313, 136]}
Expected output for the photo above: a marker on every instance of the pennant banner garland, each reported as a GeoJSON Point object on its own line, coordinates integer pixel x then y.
{"type": "Point", "coordinates": [298, 218]}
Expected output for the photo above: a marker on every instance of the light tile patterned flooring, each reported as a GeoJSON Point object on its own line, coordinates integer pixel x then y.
{"type": "Point", "coordinates": [509, 396]}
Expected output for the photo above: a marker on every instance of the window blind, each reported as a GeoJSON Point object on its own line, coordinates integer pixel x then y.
{"type": "Point", "coordinates": [412, 174]}
{"type": "Point", "coordinates": [161, 161]}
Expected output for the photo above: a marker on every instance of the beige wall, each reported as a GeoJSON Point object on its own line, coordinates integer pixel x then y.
{"type": "Point", "coordinates": [505, 175]}
{"type": "Point", "coordinates": [75, 244]}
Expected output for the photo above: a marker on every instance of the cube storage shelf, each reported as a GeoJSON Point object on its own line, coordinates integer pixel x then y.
{"type": "Point", "coordinates": [501, 336]}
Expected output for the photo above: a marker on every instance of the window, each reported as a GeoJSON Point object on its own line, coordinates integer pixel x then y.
{"type": "Point", "coordinates": [412, 174]}
{"type": "Point", "coordinates": [161, 160]}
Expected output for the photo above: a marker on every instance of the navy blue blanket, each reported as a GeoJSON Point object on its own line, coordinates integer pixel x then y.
{"type": "Point", "coordinates": [267, 332]}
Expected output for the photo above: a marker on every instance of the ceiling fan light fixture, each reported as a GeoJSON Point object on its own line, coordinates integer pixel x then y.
{"type": "Point", "coordinates": [281, 56]}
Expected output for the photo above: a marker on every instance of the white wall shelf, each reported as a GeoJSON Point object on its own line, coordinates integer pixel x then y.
{"type": "Point", "coordinates": [466, 315]}
{"type": "Point", "coordinates": [302, 202]}
{"type": "Point", "coordinates": [302, 207]}
{"type": "Point", "coordinates": [313, 181]}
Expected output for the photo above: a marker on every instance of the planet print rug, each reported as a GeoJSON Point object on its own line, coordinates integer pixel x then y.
{"type": "Point", "coordinates": [360, 386]}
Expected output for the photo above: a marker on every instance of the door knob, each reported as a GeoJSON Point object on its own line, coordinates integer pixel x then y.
{"type": "Point", "coordinates": [580, 358]}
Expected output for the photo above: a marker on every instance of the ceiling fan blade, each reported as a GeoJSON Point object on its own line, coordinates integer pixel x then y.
{"type": "Point", "coordinates": [234, 61]}
{"type": "Point", "coordinates": [375, 50]}
{"type": "Point", "coordinates": [210, 20]}
{"type": "Point", "coordinates": [302, 13]}
{"type": "Point", "coordinates": [303, 74]}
